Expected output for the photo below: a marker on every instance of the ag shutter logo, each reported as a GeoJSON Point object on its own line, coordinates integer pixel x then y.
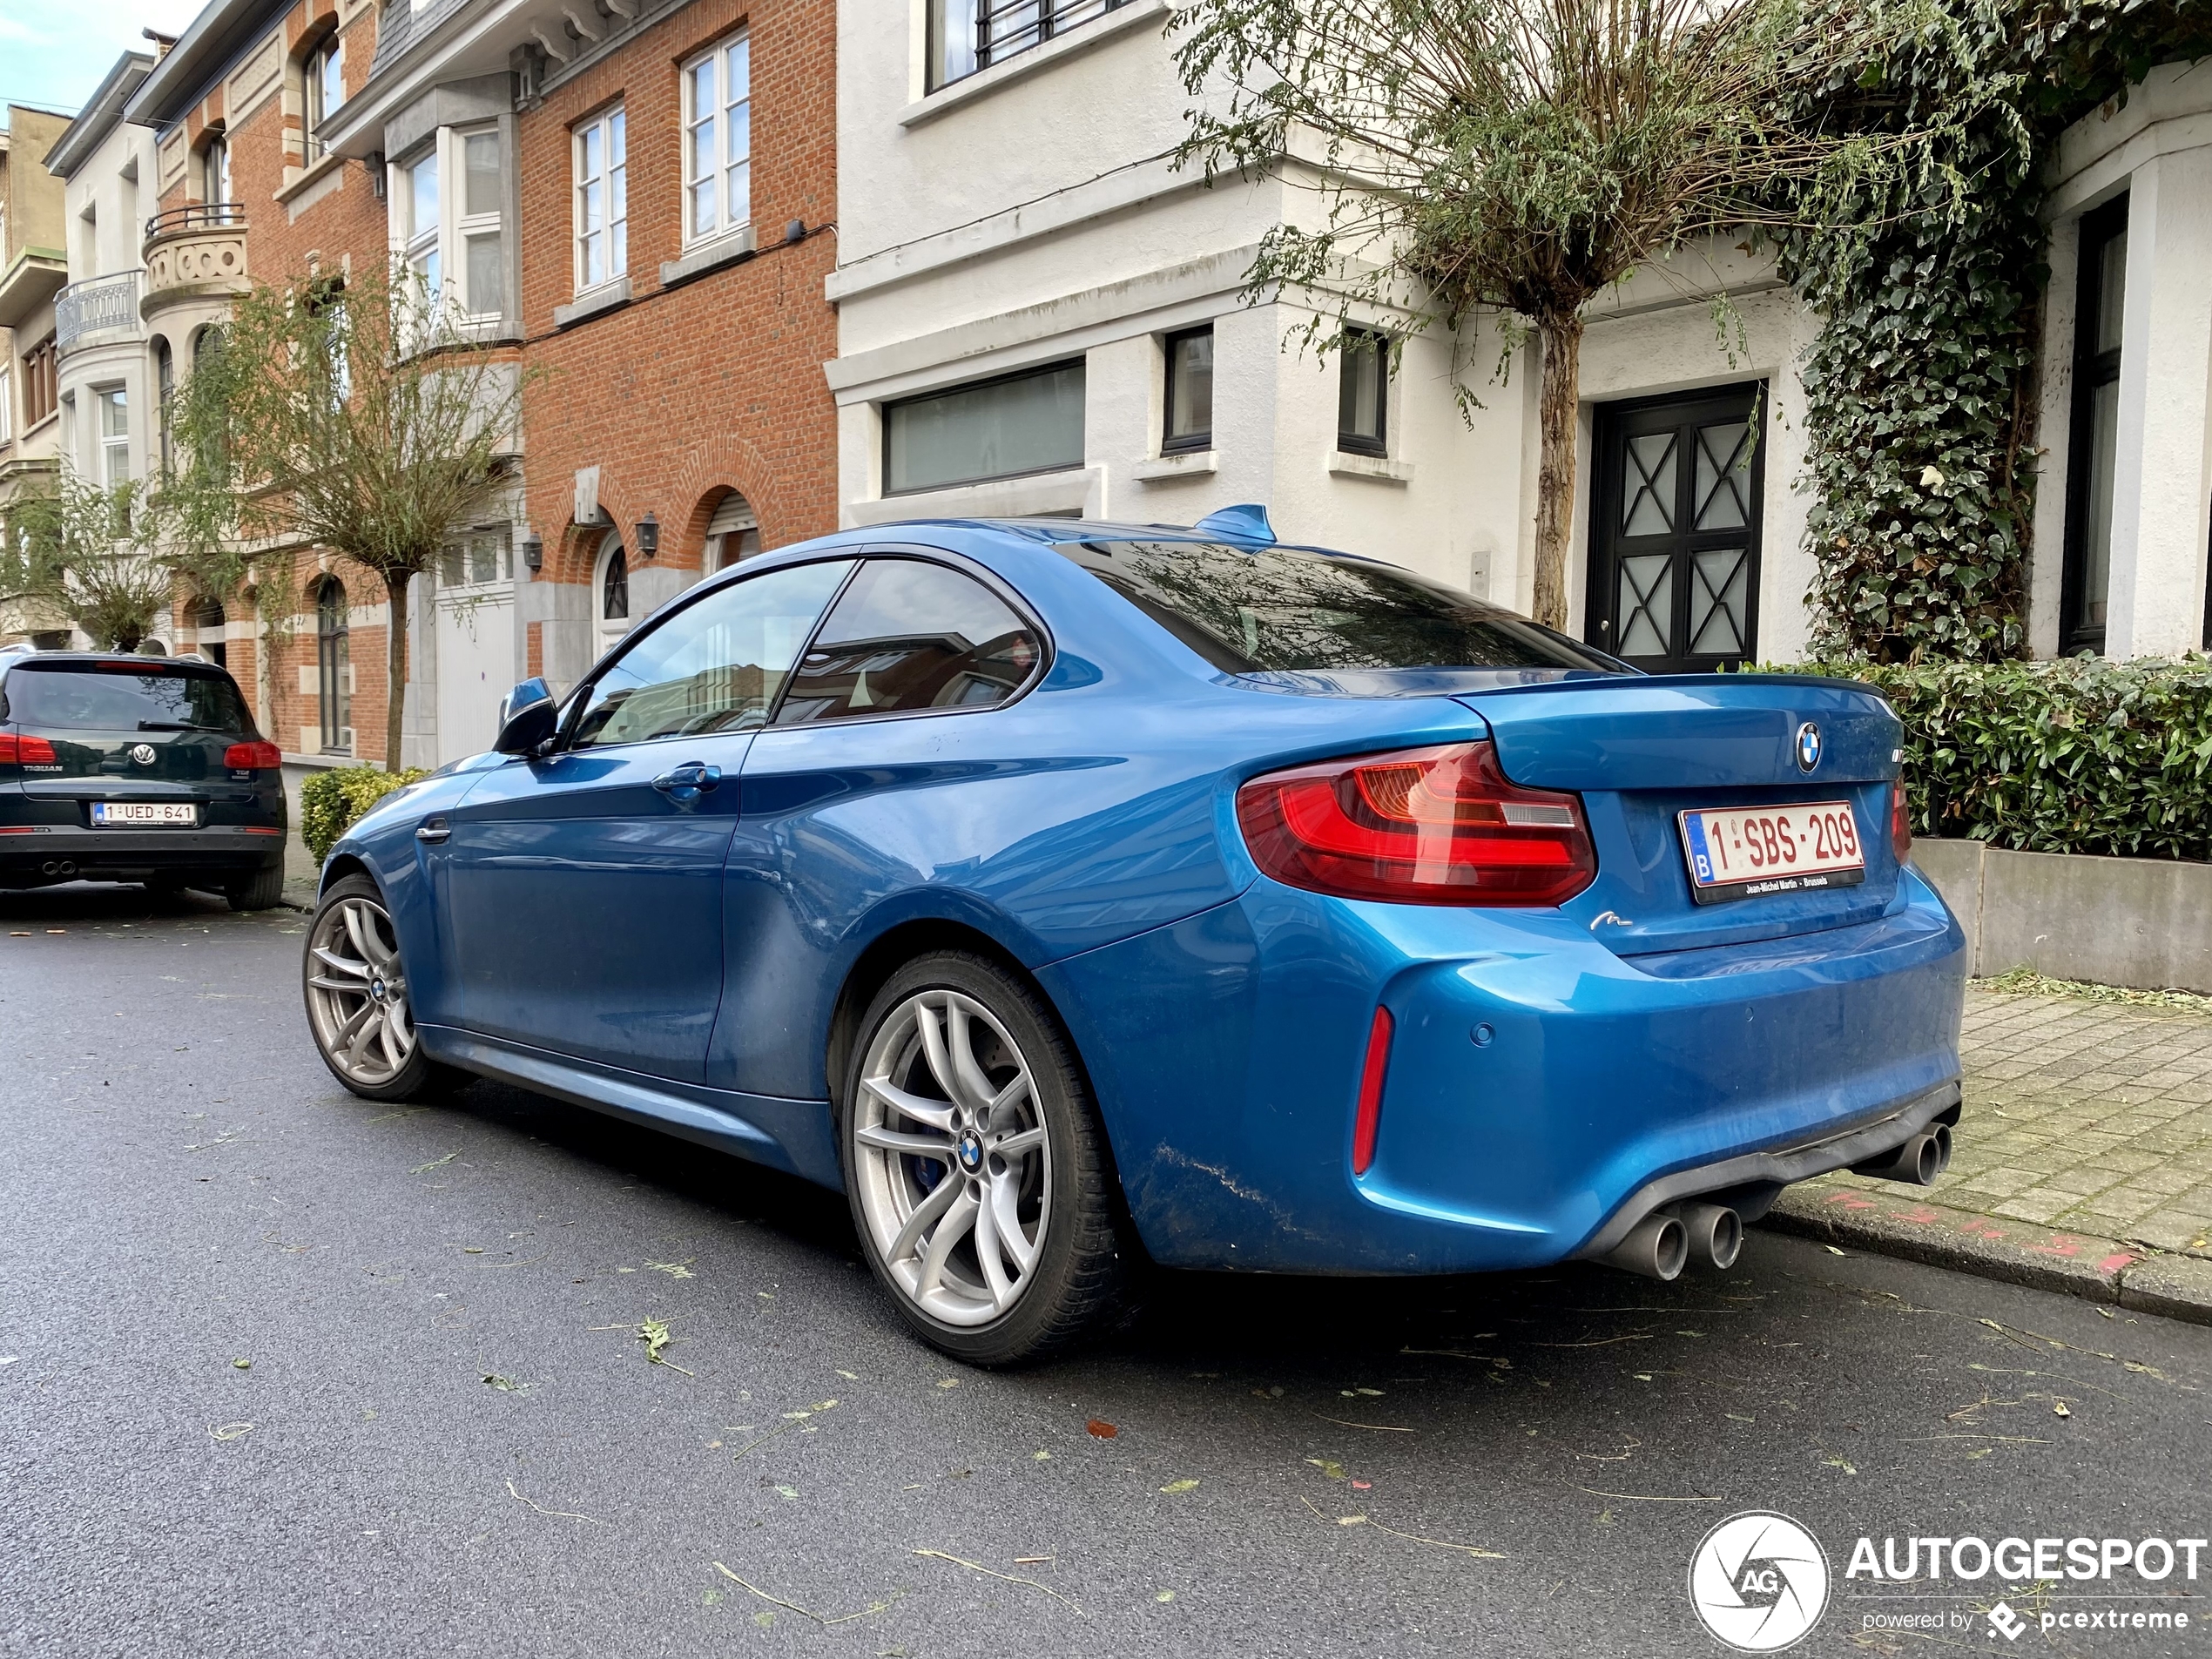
{"type": "Point", "coordinates": [1759, 1581]}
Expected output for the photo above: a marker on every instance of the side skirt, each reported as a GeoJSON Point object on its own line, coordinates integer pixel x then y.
{"type": "Point", "coordinates": [793, 1135]}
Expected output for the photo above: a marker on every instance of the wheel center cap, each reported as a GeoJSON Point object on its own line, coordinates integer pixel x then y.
{"type": "Point", "coordinates": [376, 989]}
{"type": "Point", "coordinates": [969, 1151]}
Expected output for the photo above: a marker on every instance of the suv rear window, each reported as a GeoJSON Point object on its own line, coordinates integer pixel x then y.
{"type": "Point", "coordinates": [1286, 610]}
{"type": "Point", "coordinates": [106, 697]}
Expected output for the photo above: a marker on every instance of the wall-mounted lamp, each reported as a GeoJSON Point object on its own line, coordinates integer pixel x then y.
{"type": "Point", "coordinates": [648, 536]}
{"type": "Point", "coordinates": [533, 553]}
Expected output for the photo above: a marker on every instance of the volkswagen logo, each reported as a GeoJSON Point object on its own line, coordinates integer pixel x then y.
{"type": "Point", "coordinates": [1759, 1581]}
{"type": "Point", "coordinates": [1808, 746]}
{"type": "Point", "coordinates": [142, 753]}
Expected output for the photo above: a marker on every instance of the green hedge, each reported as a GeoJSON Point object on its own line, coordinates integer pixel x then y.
{"type": "Point", "coordinates": [2083, 755]}
{"type": "Point", "coordinates": [330, 801]}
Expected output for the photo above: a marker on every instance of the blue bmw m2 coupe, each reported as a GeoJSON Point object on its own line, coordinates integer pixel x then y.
{"type": "Point", "coordinates": [1071, 894]}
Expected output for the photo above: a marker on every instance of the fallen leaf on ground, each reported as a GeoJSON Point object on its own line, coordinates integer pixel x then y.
{"type": "Point", "coordinates": [2059, 1407]}
{"type": "Point", "coordinates": [243, 1365]}
{"type": "Point", "coordinates": [232, 1431]}
{"type": "Point", "coordinates": [435, 1163]}
{"type": "Point", "coordinates": [1328, 1467]}
{"type": "Point", "coordinates": [1034, 1457]}
{"type": "Point", "coordinates": [1174, 1486]}
{"type": "Point", "coordinates": [1165, 1595]}
{"type": "Point", "coordinates": [674, 1270]}
{"type": "Point", "coordinates": [947, 1382]}
{"type": "Point", "coordinates": [1100, 1429]}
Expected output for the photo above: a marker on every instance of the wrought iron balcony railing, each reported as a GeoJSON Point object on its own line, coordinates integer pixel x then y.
{"type": "Point", "coordinates": [88, 308]}
{"type": "Point", "coordinates": [976, 33]}
{"type": "Point", "coordinates": [197, 216]}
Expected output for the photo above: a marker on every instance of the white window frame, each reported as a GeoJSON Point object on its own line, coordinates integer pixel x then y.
{"type": "Point", "coordinates": [7, 406]}
{"type": "Point", "coordinates": [215, 186]}
{"type": "Point", "coordinates": [612, 181]}
{"type": "Point", "coordinates": [322, 70]}
{"type": "Point", "coordinates": [447, 240]}
{"type": "Point", "coordinates": [714, 125]}
{"type": "Point", "coordinates": [115, 447]}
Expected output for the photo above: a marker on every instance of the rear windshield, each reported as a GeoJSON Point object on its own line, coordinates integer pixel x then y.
{"type": "Point", "coordinates": [101, 697]}
{"type": "Point", "coordinates": [1285, 609]}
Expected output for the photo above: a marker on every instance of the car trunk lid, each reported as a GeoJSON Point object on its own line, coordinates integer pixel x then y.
{"type": "Point", "coordinates": [1643, 751]}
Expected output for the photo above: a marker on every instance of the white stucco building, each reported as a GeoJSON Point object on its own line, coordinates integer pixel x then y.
{"type": "Point", "coordinates": [1037, 315]}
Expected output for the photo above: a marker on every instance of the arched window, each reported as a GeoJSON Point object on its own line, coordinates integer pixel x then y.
{"type": "Point", "coordinates": [614, 587]}
{"type": "Point", "coordinates": [165, 391]}
{"type": "Point", "coordinates": [333, 670]}
{"type": "Point", "coordinates": [732, 534]}
{"type": "Point", "coordinates": [207, 618]}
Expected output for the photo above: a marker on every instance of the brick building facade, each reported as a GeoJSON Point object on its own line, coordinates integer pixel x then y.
{"type": "Point", "coordinates": [678, 415]}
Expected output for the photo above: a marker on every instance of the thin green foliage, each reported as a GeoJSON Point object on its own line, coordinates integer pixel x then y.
{"type": "Point", "coordinates": [1520, 157]}
{"type": "Point", "coordinates": [331, 801]}
{"type": "Point", "coordinates": [361, 416]}
{"type": "Point", "coordinates": [89, 555]}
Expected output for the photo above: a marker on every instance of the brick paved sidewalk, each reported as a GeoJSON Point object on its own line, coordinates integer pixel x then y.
{"type": "Point", "coordinates": [2083, 1158]}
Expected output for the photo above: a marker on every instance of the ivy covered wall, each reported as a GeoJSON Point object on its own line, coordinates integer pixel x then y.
{"type": "Point", "coordinates": [1920, 391]}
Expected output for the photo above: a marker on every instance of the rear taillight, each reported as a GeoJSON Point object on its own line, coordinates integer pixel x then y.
{"type": "Point", "coordinates": [1900, 822]}
{"type": "Point", "coordinates": [252, 757]}
{"type": "Point", "coordinates": [1368, 1118]}
{"type": "Point", "coordinates": [1438, 826]}
{"type": "Point", "coordinates": [17, 750]}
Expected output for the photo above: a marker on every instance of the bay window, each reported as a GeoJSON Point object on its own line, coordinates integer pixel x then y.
{"type": "Point", "coordinates": [115, 436]}
{"type": "Point", "coordinates": [601, 199]}
{"type": "Point", "coordinates": [450, 228]}
{"type": "Point", "coordinates": [718, 140]}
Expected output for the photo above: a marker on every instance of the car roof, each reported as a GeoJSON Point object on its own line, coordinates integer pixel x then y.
{"type": "Point", "coordinates": [12, 659]}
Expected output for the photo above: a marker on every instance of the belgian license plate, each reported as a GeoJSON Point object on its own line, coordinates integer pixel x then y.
{"type": "Point", "coordinates": [1743, 852]}
{"type": "Point", "coordinates": [139, 813]}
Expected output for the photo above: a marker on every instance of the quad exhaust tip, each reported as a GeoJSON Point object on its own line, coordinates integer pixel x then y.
{"type": "Point", "coordinates": [1657, 1247]}
{"type": "Point", "coordinates": [1917, 1162]}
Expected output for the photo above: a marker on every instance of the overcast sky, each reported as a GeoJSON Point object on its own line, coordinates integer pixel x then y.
{"type": "Point", "coordinates": [54, 53]}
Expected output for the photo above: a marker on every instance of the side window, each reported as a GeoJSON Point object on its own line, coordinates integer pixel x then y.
{"type": "Point", "coordinates": [714, 666]}
{"type": "Point", "coordinates": [911, 635]}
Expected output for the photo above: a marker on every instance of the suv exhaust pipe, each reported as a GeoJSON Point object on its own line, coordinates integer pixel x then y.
{"type": "Point", "coordinates": [60, 868]}
{"type": "Point", "coordinates": [1656, 1247]}
{"type": "Point", "coordinates": [1917, 1162]}
{"type": "Point", "coordinates": [1716, 1234]}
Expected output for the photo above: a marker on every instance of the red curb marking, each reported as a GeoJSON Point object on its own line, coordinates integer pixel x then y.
{"type": "Point", "coordinates": [2114, 1263]}
{"type": "Point", "coordinates": [2060, 1246]}
{"type": "Point", "coordinates": [1980, 1228]}
{"type": "Point", "coordinates": [1922, 1216]}
{"type": "Point", "coordinates": [1854, 1201]}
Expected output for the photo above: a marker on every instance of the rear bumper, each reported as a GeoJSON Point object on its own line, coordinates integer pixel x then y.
{"type": "Point", "coordinates": [125, 855]}
{"type": "Point", "coordinates": [1542, 1092]}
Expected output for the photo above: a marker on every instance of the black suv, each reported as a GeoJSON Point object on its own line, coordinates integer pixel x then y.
{"type": "Point", "coordinates": [117, 768]}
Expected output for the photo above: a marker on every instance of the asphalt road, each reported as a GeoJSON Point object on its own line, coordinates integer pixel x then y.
{"type": "Point", "coordinates": [285, 1372]}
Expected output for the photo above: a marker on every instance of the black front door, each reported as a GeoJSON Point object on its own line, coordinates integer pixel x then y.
{"type": "Point", "coordinates": [1674, 581]}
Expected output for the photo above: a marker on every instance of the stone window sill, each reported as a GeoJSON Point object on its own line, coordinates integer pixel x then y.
{"type": "Point", "coordinates": [1019, 67]}
{"type": "Point", "coordinates": [608, 296]}
{"type": "Point", "coordinates": [299, 180]}
{"type": "Point", "coordinates": [1191, 464]}
{"type": "Point", "coordinates": [1381, 468]}
{"type": "Point", "coordinates": [709, 256]}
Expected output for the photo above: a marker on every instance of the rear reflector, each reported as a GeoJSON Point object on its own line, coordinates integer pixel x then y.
{"type": "Point", "coordinates": [1368, 1119]}
{"type": "Point", "coordinates": [17, 750]}
{"type": "Point", "coordinates": [1439, 826]}
{"type": "Point", "coordinates": [260, 829]}
{"type": "Point", "coordinates": [252, 757]}
{"type": "Point", "coordinates": [1900, 822]}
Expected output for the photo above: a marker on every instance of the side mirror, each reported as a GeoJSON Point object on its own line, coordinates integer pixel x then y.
{"type": "Point", "coordinates": [526, 718]}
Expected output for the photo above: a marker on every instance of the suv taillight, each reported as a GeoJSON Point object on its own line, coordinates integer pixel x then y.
{"type": "Point", "coordinates": [1439, 826]}
{"type": "Point", "coordinates": [1900, 822]}
{"type": "Point", "coordinates": [252, 757]}
{"type": "Point", "coordinates": [15, 750]}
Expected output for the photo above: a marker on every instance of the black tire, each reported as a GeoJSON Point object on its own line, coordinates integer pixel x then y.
{"type": "Point", "coordinates": [418, 1076]}
{"type": "Point", "coordinates": [263, 890]}
{"type": "Point", "coordinates": [1085, 1263]}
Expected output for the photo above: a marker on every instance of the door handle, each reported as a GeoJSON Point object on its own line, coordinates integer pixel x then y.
{"type": "Point", "coordinates": [688, 781]}
{"type": "Point", "coordinates": [433, 829]}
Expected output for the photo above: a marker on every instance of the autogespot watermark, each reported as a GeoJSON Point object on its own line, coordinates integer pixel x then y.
{"type": "Point", "coordinates": [1760, 1582]}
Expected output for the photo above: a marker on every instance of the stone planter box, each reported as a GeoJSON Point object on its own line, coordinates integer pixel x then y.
{"type": "Point", "coordinates": [2142, 922]}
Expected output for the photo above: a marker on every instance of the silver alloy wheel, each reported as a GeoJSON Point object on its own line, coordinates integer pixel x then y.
{"type": "Point", "coordinates": [357, 993]}
{"type": "Point", "coordinates": [951, 1156]}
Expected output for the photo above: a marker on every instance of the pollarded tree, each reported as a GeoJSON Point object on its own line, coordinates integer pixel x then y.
{"type": "Point", "coordinates": [90, 554]}
{"type": "Point", "coordinates": [361, 416]}
{"type": "Point", "coordinates": [1522, 156]}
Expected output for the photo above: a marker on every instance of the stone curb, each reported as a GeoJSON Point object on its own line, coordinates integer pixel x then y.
{"type": "Point", "coordinates": [2099, 1270]}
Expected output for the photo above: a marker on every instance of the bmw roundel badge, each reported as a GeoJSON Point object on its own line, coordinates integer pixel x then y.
{"type": "Point", "coordinates": [1808, 746]}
